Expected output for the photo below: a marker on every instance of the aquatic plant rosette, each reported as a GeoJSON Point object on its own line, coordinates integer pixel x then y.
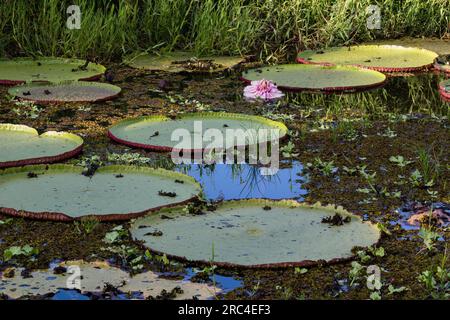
{"type": "Point", "coordinates": [262, 89]}
{"type": "Point", "coordinates": [384, 58]}
{"type": "Point", "coordinates": [21, 145]}
{"type": "Point", "coordinates": [303, 77]}
{"type": "Point", "coordinates": [54, 70]}
{"type": "Point", "coordinates": [63, 193]}
{"type": "Point", "coordinates": [255, 234]}
{"type": "Point", "coordinates": [74, 91]}
{"type": "Point", "coordinates": [444, 89]}
{"type": "Point", "coordinates": [182, 61]}
{"type": "Point", "coordinates": [155, 132]}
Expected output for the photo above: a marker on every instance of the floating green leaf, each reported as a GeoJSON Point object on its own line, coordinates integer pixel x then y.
{"type": "Point", "coordinates": [62, 192]}
{"type": "Point", "coordinates": [71, 91]}
{"type": "Point", "coordinates": [182, 61]}
{"type": "Point", "coordinates": [20, 70]}
{"type": "Point", "coordinates": [296, 77]}
{"type": "Point", "coordinates": [256, 233]}
{"type": "Point", "coordinates": [155, 132]}
{"type": "Point", "coordinates": [21, 145]}
{"type": "Point", "coordinates": [379, 57]}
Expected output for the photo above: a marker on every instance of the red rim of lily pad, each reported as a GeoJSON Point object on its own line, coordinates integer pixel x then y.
{"type": "Point", "coordinates": [201, 115]}
{"type": "Point", "coordinates": [42, 160]}
{"type": "Point", "coordinates": [442, 68]}
{"type": "Point", "coordinates": [427, 66]}
{"type": "Point", "coordinates": [275, 265]}
{"type": "Point", "coordinates": [445, 94]}
{"type": "Point", "coordinates": [62, 217]}
{"type": "Point", "coordinates": [333, 89]}
{"type": "Point", "coordinates": [17, 91]}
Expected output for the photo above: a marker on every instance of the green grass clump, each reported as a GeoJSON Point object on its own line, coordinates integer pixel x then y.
{"type": "Point", "coordinates": [271, 29]}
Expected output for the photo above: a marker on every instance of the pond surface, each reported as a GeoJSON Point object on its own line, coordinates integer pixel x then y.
{"type": "Point", "coordinates": [405, 115]}
{"type": "Point", "coordinates": [244, 181]}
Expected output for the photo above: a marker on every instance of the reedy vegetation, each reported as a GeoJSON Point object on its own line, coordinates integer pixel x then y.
{"type": "Point", "coordinates": [272, 29]}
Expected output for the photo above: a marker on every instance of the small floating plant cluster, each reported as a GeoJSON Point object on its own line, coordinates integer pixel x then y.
{"type": "Point", "coordinates": [171, 217]}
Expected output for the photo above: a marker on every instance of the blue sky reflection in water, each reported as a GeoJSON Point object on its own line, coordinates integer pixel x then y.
{"type": "Point", "coordinates": [244, 181]}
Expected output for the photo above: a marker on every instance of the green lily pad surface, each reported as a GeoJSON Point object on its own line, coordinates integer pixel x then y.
{"type": "Point", "coordinates": [21, 145]}
{"type": "Point", "coordinates": [155, 132]}
{"type": "Point", "coordinates": [317, 78]}
{"type": "Point", "coordinates": [444, 88]}
{"type": "Point", "coordinates": [379, 57]}
{"type": "Point", "coordinates": [183, 61]}
{"type": "Point", "coordinates": [440, 46]}
{"type": "Point", "coordinates": [54, 70]}
{"type": "Point", "coordinates": [255, 233]}
{"type": "Point", "coordinates": [62, 192]}
{"type": "Point", "coordinates": [75, 91]}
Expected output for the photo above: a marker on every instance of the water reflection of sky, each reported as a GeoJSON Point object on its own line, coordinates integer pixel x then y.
{"type": "Point", "coordinates": [245, 181]}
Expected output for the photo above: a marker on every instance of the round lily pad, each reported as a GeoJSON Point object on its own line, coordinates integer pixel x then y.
{"type": "Point", "coordinates": [155, 132]}
{"type": "Point", "coordinates": [21, 70]}
{"type": "Point", "coordinates": [180, 61]}
{"type": "Point", "coordinates": [257, 233]}
{"type": "Point", "coordinates": [64, 193]}
{"type": "Point", "coordinates": [74, 91]}
{"type": "Point", "coordinates": [386, 58]}
{"type": "Point", "coordinates": [21, 145]}
{"type": "Point", "coordinates": [296, 77]}
{"type": "Point", "coordinates": [444, 88]}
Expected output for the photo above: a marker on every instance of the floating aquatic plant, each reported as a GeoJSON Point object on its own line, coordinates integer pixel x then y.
{"type": "Point", "coordinates": [21, 70]}
{"type": "Point", "coordinates": [99, 276]}
{"type": "Point", "coordinates": [297, 77]}
{"type": "Point", "coordinates": [256, 233]}
{"type": "Point", "coordinates": [262, 89]}
{"type": "Point", "coordinates": [386, 58]}
{"type": "Point", "coordinates": [62, 192]}
{"type": "Point", "coordinates": [21, 145]}
{"type": "Point", "coordinates": [179, 61]}
{"type": "Point", "coordinates": [155, 132]}
{"type": "Point", "coordinates": [73, 91]}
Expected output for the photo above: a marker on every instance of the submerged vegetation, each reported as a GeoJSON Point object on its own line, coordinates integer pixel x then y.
{"type": "Point", "coordinates": [267, 29]}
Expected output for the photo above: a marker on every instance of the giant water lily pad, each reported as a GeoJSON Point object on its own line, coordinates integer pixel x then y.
{"type": "Point", "coordinates": [444, 88]}
{"type": "Point", "coordinates": [387, 58]}
{"type": "Point", "coordinates": [180, 61]}
{"type": "Point", "coordinates": [155, 132]}
{"type": "Point", "coordinates": [256, 233]}
{"type": "Point", "coordinates": [62, 192]}
{"type": "Point", "coordinates": [440, 46]}
{"type": "Point", "coordinates": [93, 278]}
{"type": "Point", "coordinates": [21, 145]}
{"type": "Point", "coordinates": [22, 70]}
{"type": "Point", "coordinates": [74, 91]}
{"type": "Point", "coordinates": [320, 78]}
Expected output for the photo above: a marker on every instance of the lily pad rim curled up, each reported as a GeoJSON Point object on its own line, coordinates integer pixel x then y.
{"type": "Point", "coordinates": [19, 128]}
{"type": "Point", "coordinates": [138, 230]}
{"type": "Point", "coordinates": [21, 172]}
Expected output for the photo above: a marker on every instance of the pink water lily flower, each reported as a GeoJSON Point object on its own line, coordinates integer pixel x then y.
{"type": "Point", "coordinates": [263, 89]}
